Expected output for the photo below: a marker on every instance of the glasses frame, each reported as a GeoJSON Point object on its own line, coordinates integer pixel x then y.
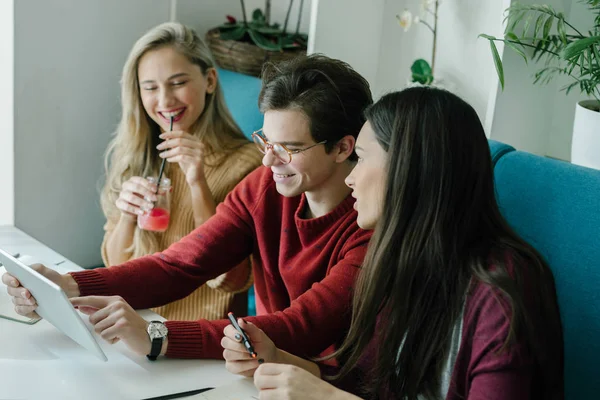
{"type": "Point", "coordinates": [269, 146]}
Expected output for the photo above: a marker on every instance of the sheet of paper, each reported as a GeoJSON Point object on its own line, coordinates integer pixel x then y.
{"type": "Point", "coordinates": [242, 389]}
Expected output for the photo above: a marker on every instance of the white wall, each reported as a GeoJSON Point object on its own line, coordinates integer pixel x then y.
{"type": "Point", "coordinates": [462, 60]}
{"type": "Point", "coordinates": [6, 112]}
{"type": "Point", "coordinates": [68, 60]}
{"type": "Point", "coordinates": [349, 30]}
{"type": "Point", "coordinates": [204, 15]}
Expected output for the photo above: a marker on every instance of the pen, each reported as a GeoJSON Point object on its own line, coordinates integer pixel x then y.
{"type": "Point", "coordinates": [180, 394]}
{"type": "Point", "coordinates": [245, 338]}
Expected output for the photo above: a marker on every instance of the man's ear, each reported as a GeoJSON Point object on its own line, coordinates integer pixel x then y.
{"type": "Point", "coordinates": [344, 148]}
{"type": "Point", "coordinates": [211, 80]}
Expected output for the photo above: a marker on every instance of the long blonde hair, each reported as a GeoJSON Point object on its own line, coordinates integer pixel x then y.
{"type": "Point", "coordinates": [132, 151]}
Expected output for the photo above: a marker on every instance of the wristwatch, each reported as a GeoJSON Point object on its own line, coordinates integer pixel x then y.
{"type": "Point", "coordinates": [157, 331]}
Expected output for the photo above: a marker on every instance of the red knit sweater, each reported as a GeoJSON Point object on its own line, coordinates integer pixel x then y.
{"type": "Point", "coordinates": [304, 270]}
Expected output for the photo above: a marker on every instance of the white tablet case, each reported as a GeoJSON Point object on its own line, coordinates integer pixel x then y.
{"type": "Point", "coordinates": [53, 304]}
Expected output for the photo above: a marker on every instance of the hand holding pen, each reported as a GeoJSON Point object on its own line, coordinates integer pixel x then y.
{"type": "Point", "coordinates": [242, 335]}
{"type": "Point", "coordinates": [246, 346]}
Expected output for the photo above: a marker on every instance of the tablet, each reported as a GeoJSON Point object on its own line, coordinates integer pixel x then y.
{"type": "Point", "coordinates": [53, 304]}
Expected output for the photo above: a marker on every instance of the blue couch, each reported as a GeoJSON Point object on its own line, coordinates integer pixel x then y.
{"type": "Point", "coordinates": [241, 96]}
{"type": "Point", "coordinates": [555, 206]}
{"type": "Point", "coordinates": [552, 204]}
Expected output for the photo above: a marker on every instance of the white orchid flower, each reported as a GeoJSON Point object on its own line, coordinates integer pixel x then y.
{"type": "Point", "coordinates": [405, 20]}
{"type": "Point", "coordinates": [426, 4]}
{"type": "Point", "coordinates": [416, 20]}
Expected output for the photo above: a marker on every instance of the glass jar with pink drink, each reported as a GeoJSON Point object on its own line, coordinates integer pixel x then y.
{"type": "Point", "coordinates": [157, 218]}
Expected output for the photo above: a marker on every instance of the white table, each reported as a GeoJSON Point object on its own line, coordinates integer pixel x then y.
{"type": "Point", "coordinates": [39, 362]}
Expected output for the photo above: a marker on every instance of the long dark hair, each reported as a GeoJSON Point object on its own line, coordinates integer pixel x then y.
{"type": "Point", "coordinates": [328, 91]}
{"type": "Point", "coordinates": [440, 230]}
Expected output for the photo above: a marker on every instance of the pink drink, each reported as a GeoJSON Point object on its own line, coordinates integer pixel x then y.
{"type": "Point", "coordinates": [156, 220]}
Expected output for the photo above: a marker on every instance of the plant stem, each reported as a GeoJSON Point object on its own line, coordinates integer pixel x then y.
{"type": "Point", "coordinates": [287, 17]}
{"type": "Point", "coordinates": [268, 12]}
{"type": "Point", "coordinates": [435, 22]}
{"type": "Point", "coordinates": [528, 45]}
{"type": "Point", "coordinates": [244, 13]}
{"type": "Point", "coordinates": [572, 27]}
{"type": "Point", "coordinates": [299, 16]}
{"type": "Point", "coordinates": [427, 25]}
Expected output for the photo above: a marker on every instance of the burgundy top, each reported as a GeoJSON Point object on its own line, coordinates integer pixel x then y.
{"type": "Point", "coordinates": [481, 371]}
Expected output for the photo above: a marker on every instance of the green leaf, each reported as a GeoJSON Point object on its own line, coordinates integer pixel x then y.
{"type": "Point", "coordinates": [545, 75]}
{"type": "Point", "coordinates": [547, 26]}
{"type": "Point", "coordinates": [537, 49]}
{"type": "Point", "coordinates": [575, 48]}
{"type": "Point", "coordinates": [258, 16]}
{"type": "Point", "coordinates": [537, 76]}
{"type": "Point", "coordinates": [497, 63]}
{"type": "Point", "coordinates": [263, 42]}
{"type": "Point", "coordinates": [516, 49]}
{"type": "Point", "coordinates": [560, 26]}
{"type": "Point", "coordinates": [293, 41]}
{"type": "Point", "coordinates": [229, 27]}
{"type": "Point", "coordinates": [421, 72]}
{"type": "Point", "coordinates": [571, 67]}
{"type": "Point", "coordinates": [596, 54]}
{"type": "Point", "coordinates": [570, 86]}
{"type": "Point", "coordinates": [581, 59]}
{"type": "Point", "coordinates": [527, 24]}
{"type": "Point", "coordinates": [538, 25]}
{"type": "Point", "coordinates": [512, 36]}
{"type": "Point", "coordinates": [266, 30]}
{"type": "Point", "coordinates": [515, 21]}
{"type": "Point", "coordinates": [235, 34]}
{"type": "Point", "coordinates": [543, 49]}
{"type": "Point", "coordinates": [287, 44]}
{"type": "Point", "coordinates": [545, 8]}
{"type": "Point", "coordinates": [488, 37]}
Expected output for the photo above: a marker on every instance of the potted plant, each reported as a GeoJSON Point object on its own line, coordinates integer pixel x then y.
{"type": "Point", "coordinates": [244, 46]}
{"type": "Point", "coordinates": [537, 32]}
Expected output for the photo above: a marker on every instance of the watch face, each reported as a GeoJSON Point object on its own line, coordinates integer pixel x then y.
{"type": "Point", "coordinates": [157, 330]}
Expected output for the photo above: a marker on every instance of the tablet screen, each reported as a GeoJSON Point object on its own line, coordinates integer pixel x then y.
{"type": "Point", "coordinates": [53, 304]}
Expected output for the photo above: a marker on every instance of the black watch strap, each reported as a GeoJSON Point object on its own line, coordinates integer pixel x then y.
{"type": "Point", "coordinates": [155, 349]}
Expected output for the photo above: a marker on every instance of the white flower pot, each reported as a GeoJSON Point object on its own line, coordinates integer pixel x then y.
{"type": "Point", "coordinates": [585, 149]}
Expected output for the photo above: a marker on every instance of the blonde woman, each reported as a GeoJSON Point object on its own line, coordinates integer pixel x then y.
{"type": "Point", "coordinates": [170, 74]}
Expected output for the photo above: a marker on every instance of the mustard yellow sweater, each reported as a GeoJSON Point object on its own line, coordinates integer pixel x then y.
{"type": "Point", "coordinates": [215, 298]}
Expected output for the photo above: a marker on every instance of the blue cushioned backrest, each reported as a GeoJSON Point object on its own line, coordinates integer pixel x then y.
{"type": "Point", "coordinates": [555, 206]}
{"type": "Point", "coordinates": [241, 95]}
{"type": "Point", "coordinates": [498, 149]}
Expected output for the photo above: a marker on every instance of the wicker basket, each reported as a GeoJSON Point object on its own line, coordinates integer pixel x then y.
{"type": "Point", "coordinates": [243, 57]}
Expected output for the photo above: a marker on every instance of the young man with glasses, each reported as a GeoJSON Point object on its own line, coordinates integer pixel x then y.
{"type": "Point", "coordinates": [294, 216]}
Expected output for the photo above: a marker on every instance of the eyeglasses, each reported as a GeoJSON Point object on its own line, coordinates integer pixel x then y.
{"type": "Point", "coordinates": [279, 150]}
